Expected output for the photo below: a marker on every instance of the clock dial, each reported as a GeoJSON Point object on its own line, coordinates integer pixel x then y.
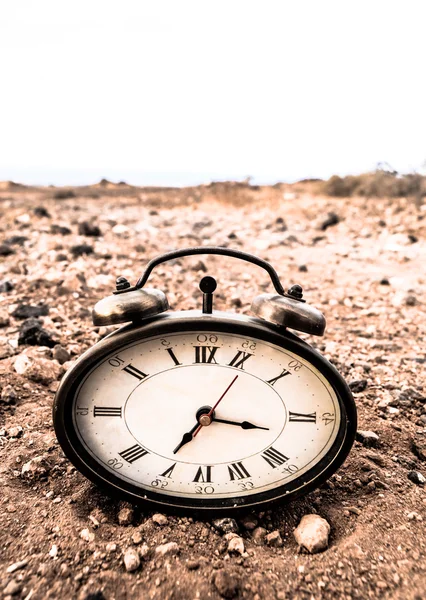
{"type": "Point", "coordinates": [199, 414]}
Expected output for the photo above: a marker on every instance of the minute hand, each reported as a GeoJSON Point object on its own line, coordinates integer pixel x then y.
{"type": "Point", "coordinates": [244, 424]}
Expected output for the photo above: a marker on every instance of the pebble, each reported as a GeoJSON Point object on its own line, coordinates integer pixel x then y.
{"type": "Point", "coordinates": [369, 439]}
{"type": "Point", "coordinates": [274, 539]}
{"type": "Point", "coordinates": [131, 560]}
{"type": "Point", "coordinates": [13, 588]}
{"type": "Point", "coordinates": [27, 311]}
{"type": "Point", "coordinates": [416, 477]}
{"type": "Point", "coordinates": [39, 370]}
{"type": "Point", "coordinates": [41, 211]}
{"type": "Point", "coordinates": [36, 468]}
{"type": "Point", "coordinates": [227, 583]}
{"type": "Point", "coordinates": [312, 533]}
{"type": "Point", "coordinates": [137, 537]}
{"type": "Point", "coordinates": [60, 230]}
{"type": "Point", "coordinates": [414, 516]}
{"type": "Point", "coordinates": [6, 286]}
{"type": "Point", "coordinates": [87, 535]}
{"type": "Point", "coordinates": [111, 547]}
{"type": "Point", "coordinates": [89, 229]}
{"type": "Point", "coordinates": [358, 386]}
{"type": "Point", "coordinates": [236, 545]}
{"type": "Point", "coordinates": [226, 525]}
{"type": "Point", "coordinates": [249, 522]}
{"type": "Point", "coordinates": [4, 318]}
{"type": "Point", "coordinates": [159, 519]}
{"type": "Point", "coordinates": [14, 432]}
{"type": "Point", "coordinates": [6, 250]}
{"type": "Point", "coordinates": [126, 516]}
{"type": "Point", "coordinates": [169, 549]}
{"type": "Point", "coordinates": [16, 566]}
{"type": "Point", "coordinates": [418, 446]}
{"type": "Point", "coordinates": [81, 250]}
{"type": "Point", "coordinates": [8, 395]}
{"type": "Point", "coordinates": [332, 219]}
{"type": "Point", "coordinates": [259, 535]}
{"type": "Point", "coordinates": [61, 354]}
{"type": "Point", "coordinates": [32, 333]}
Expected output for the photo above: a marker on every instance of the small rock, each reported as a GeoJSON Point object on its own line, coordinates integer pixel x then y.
{"type": "Point", "coordinates": [111, 547]}
{"type": "Point", "coordinates": [332, 219]}
{"type": "Point", "coordinates": [274, 539]}
{"type": "Point", "coordinates": [8, 395]}
{"type": "Point", "coordinates": [226, 525]}
{"type": "Point", "coordinates": [200, 266]}
{"type": "Point", "coordinates": [227, 583]}
{"type": "Point", "coordinates": [40, 370]}
{"type": "Point", "coordinates": [36, 468]}
{"type": "Point", "coordinates": [192, 565]}
{"type": "Point", "coordinates": [41, 211]}
{"type": "Point", "coordinates": [13, 588]}
{"type": "Point", "coordinates": [369, 439]}
{"type": "Point", "coordinates": [126, 516]}
{"type": "Point", "coordinates": [414, 516]}
{"type": "Point", "coordinates": [6, 250]}
{"type": "Point", "coordinates": [81, 250]}
{"type": "Point", "coordinates": [31, 333]}
{"type": "Point", "coordinates": [259, 535]}
{"type": "Point", "coordinates": [16, 566]}
{"type": "Point", "coordinates": [169, 549]}
{"type": "Point", "coordinates": [89, 229]}
{"type": "Point", "coordinates": [418, 446]}
{"type": "Point", "coordinates": [312, 533]}
{"type": "Point", "coordinates": [61, 354]}
{"type": "Point", "coordinates": [416, 477]}
{"type": "Point", "coordinates": [15, 432]}
{"type": "Point", "coordinates": [6, 349]}
{"type": "Point", "coordinates": [53, 552]}
{"type": "Point", "coordinates": [249, 522]}
{"type": "Point", "coordinates": [26, 311]}
{"type": "Point", "coordinates": [121, 230]}
{"type": "Point", "coordinates": [6, 286]}
{"type": "Point", "coordinates": [160, 519]}
{"type": "Point", "coordinates": [137, 537]}
{"type": "Point", "coordinates": [16, 240]}
{"type": "Point", "coordinates": [358, 386]}
{"type": "Point", "coordinates": [131, 560]}
{"type": "Point", "coordinates": [303, 269]}
{"type": "Point", "coordinates": [144, 551]}
{"type": "Point", "coordinates": [236, 545]}
{"type": "Point", "coordinates": [4, 318]}
{"type": "Point", "coordinates": [87, 535]}
{"type": "Point", "coordinates": [60, 230]}
{"type": "Point", "coordinates": [410, 300]}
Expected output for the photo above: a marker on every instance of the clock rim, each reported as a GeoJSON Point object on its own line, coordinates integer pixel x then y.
{"type": "Point", "coordinates": [218, 322]}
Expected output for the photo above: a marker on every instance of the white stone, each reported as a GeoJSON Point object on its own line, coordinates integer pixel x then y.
{"type": "Point", "coordinates": [167, 549]}
{"type": "Point", "coordinates": [131, 560]}
{"type": "Point", "coordinates": [87, 535]}
{"type": "Point", "coordinates": [312, 533]}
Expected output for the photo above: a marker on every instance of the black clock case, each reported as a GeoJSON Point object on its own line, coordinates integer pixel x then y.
{"type": "Point", "coordinates": [218, 322]}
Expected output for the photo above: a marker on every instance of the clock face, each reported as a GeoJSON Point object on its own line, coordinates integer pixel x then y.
{"type": "Point", "coordinates": [205, 418]}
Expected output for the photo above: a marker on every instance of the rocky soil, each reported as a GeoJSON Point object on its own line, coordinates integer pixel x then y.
{"type": "Point", "coordinates": [361, 261]}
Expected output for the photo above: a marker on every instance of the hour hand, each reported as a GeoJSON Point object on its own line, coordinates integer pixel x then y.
{"type": "Point", "coordinates": [186, 438]}
{"type": "Point", "coordinates": [243, 424]}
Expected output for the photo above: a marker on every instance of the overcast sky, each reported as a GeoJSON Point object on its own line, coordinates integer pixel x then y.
{"type": "Point", "coordinates": [182, 91]}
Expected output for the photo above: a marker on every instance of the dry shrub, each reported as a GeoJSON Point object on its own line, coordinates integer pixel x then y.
{"type": "Point", "coordinates": [379, 184]}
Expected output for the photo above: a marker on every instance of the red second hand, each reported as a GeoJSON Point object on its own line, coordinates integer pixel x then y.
{"type": "Point", "coordinates": [209, 414]}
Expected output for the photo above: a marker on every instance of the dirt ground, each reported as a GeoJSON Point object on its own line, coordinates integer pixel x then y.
{"type": "Point", "coordinates": [62, 538]}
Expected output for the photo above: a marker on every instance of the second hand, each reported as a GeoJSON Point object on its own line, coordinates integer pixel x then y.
{"type": "Point", "coordinates": [220, 399]}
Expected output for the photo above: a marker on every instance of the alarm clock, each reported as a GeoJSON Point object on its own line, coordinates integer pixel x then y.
{"type": "Point", "coordinates": [203, 409]}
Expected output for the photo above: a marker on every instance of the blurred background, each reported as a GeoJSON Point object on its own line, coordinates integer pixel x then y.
{"type": "Point", "coordinates": [182, 93]}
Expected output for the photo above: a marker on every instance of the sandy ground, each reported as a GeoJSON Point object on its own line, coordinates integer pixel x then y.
{"type": "Point", "coordinates": [63, 538]}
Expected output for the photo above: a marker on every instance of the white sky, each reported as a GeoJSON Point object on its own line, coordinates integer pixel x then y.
{"type": "Point", "coordinates": [184, 91]}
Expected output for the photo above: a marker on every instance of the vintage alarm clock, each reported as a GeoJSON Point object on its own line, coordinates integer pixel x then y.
{"type": "Point", "coordinates": [201, 409]}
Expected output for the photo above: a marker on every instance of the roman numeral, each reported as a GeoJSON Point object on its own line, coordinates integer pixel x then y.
{"type": "Point", "coordinates": [173, 356]}
{"type": "Point", "coordinates": [168, 472]}
{"type": "Point", "coordinates": [135, 372]}
{"type": "Point", "coordinates": [274, 458]}
{"type": "Point", "coordinates": [133, 453]}
{"type": "Point", "coordinates": [201, 354]}
{"type": "Point", "coordinates": [237, 471]}
{"type": "Point", "coordinates": [274, 380]}
{"type": "Point", "coordinates": [303, 417]}
{"type": "Point", "coordinates": [107, 411]}
{"type": "Point", "coordinates": [203, 475]}
{"type": "Point", "coordinates": [239, 359]}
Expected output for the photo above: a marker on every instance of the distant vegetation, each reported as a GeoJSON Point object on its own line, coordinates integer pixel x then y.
{"type": "Point", "coordinates": [380, 184]}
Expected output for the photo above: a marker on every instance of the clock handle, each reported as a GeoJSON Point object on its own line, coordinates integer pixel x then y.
{"type": "Point", "coordinates": [211, 250]}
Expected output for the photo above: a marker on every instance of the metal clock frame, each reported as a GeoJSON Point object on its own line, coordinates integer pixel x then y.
{"type": "Point", "coordinates": [219, 322]}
